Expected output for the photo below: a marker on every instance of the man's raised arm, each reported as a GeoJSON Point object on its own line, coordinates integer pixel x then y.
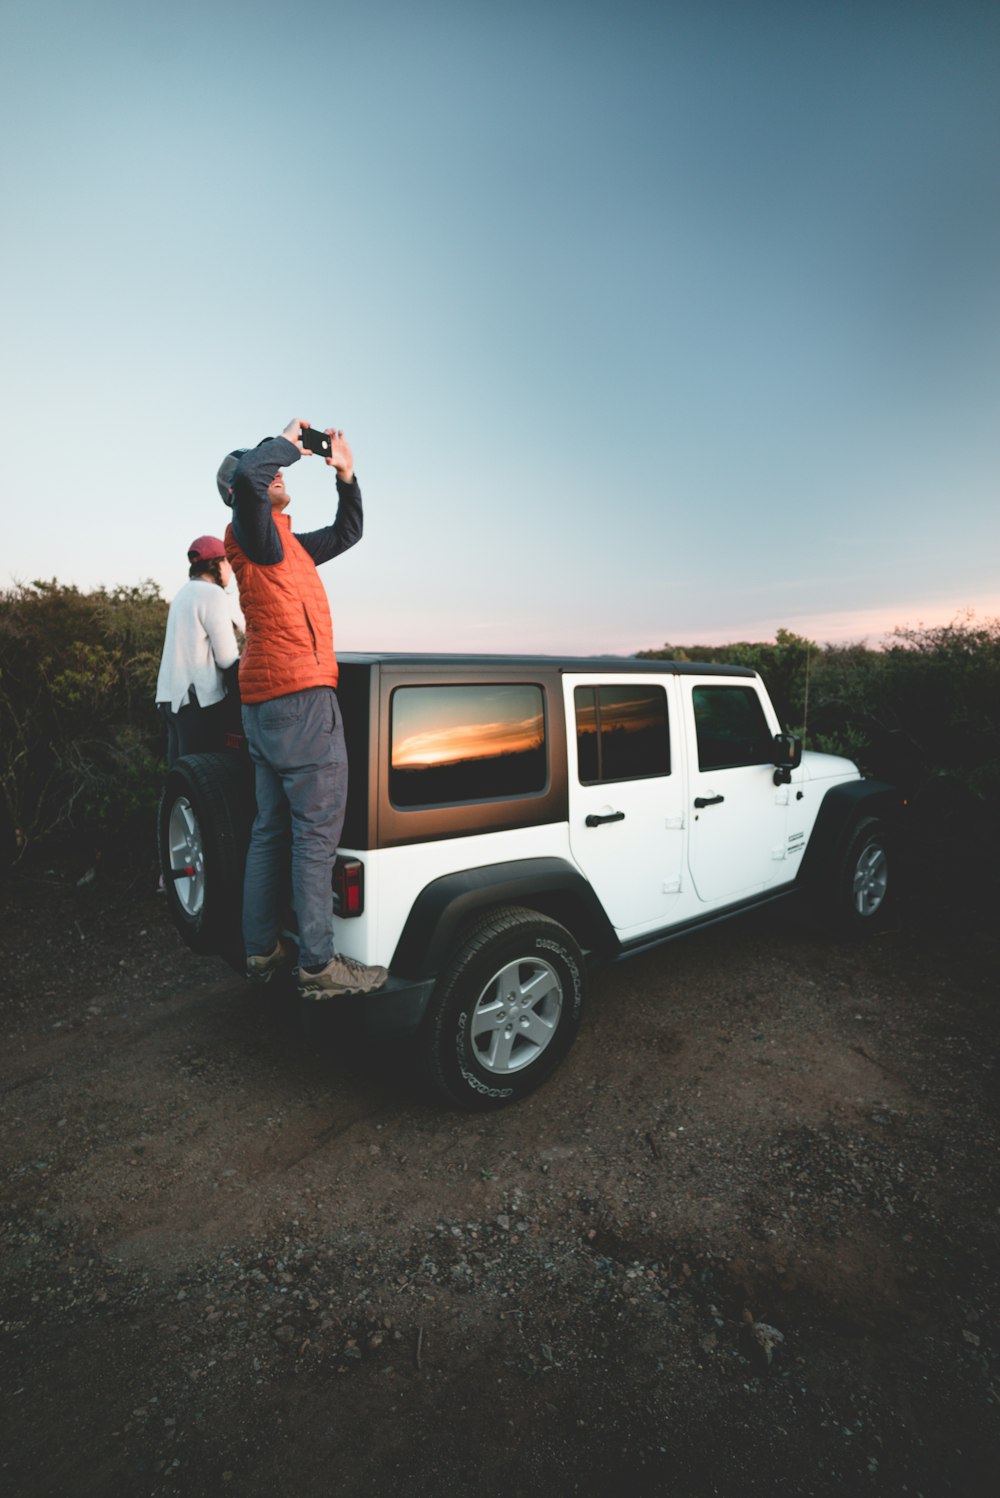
{"type": "Point", "coordinates": [346, 530]}
{"type": "Point", "coordinates": [254, 474]}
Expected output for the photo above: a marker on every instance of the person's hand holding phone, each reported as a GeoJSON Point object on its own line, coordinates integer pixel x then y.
{"type": "Point", "coordinates": [341, 456]}
{"type": "Point", "coordinates": [293, 432]}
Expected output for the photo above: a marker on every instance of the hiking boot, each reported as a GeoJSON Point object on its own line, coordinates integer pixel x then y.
{"type": "Point", "coordinates": [342, 975]}
{"type": "Point", "coordinates": [263, 969]}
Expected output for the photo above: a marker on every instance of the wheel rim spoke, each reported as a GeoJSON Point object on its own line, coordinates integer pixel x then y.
{"type": "Point", "coordinates": [517, 1015]}
{"type": "Point", "coordinates": [500, 1050]}
{"type": "Point", "coordinates": [486, 1019]}
{"type": "Point", "coordinates": [871, 877]}
{"type": "Point", "coordinates": [537, 1027]}
{"type": "Point", "coordinates": [186, 852]}
{"type": "Point", "coordinates": [537, 986]}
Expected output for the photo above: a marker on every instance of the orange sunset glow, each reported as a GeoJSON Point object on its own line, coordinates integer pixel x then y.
{"type": "Point", "coordinates": [465, 741]}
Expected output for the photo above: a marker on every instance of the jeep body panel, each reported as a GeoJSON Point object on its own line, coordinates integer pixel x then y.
{"type": "Point", "coordinates": [738, 816]}
{"type": "Point", "coordinates": [396, 878]}
{"type": "Point", "coordinates": [450, 904]}
{"type": "Point", "coordinates": [641, 856]}
{"type": "Point", "coordinates": [840, 809]}
{"type": "Point", "coordinates": [627, 835]}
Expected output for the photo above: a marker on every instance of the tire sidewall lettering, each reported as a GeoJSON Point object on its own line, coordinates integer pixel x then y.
{"type": "Point", "coordinates": [566, 960]}
{"type": "Point", "coordinates": [461, 1054]}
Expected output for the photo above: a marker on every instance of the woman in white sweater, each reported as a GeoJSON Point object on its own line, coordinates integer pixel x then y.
{"type": "Point", "coordinates": [196, 691]}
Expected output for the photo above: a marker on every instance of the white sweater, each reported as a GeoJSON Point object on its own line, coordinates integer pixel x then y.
{"type": "Point", "coordinates": [200, 643]}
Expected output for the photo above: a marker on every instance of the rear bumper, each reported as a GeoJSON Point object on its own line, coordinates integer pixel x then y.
{"type": "Point", "coordinates": [398, 1007]}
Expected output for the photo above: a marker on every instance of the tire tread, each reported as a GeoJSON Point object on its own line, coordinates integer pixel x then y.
{"type": "Point", "coordinates": [490, 927]}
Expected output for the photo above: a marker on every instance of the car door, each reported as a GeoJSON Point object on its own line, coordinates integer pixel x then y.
{"type": "Point", "coordinates": [736, 847]}
{"type": "Point", "coordinates": [626, 814]}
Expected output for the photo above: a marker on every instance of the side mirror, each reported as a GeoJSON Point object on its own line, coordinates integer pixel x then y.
{"type": "Point", "coordinates": [787, 756]}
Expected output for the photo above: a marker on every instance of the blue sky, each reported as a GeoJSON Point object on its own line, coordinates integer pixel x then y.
{"type": "Point", "coordinates": [647, 322]}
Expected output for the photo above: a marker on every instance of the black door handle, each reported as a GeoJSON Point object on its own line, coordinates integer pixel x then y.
{"type": "Point", "coordinates": [593, 820]}
{"type": "Point", "coordinates": [708, 800]}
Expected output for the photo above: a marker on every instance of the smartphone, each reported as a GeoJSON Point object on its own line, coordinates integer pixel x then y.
{"type": "Point", "coordinates": [315, 441]}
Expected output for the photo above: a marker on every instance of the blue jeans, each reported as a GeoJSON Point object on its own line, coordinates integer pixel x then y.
{"type": "Point", "coordinates": [300, 764]}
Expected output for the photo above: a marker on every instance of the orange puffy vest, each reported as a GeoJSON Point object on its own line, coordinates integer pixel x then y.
{"type": "Point", "coordinates": [289, 643]}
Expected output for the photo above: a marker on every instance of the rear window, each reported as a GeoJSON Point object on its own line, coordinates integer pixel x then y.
{"type": "Point", "coordinates": [453, 744]}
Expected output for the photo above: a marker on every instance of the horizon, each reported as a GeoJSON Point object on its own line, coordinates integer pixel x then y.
{"type": "Point", "coordinates": [873, 631]}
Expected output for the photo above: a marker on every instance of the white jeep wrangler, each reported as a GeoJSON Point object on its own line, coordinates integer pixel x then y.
{"type": "Point", "coordinates": [512, 819]}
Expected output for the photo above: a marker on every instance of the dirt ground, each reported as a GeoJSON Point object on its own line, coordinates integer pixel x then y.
{"type": "Point", "coordinates": [744, 1242]}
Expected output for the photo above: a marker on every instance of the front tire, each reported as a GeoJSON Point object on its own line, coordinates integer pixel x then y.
{"type": "Point", "coordinates": [204, 824]}
{"type": "Point", "coordinates": [863, 881]}
{"type": "Point", "coordinates": [506, 1010]}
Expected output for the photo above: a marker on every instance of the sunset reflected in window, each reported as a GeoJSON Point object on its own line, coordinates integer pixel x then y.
{"type": "Point", "coordinates": [621, 733]}
{"type": "Point", "coordinates": [465, 743]}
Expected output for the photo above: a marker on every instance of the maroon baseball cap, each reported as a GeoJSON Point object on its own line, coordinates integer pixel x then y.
{"type": "Point", "coordinates": [205, 548]}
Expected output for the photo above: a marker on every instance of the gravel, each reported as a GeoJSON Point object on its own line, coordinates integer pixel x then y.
{"type": "Point", "coordinates": [744, 1242]}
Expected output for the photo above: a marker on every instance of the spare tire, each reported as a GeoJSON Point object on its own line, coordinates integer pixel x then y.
{"type": "Point", "coordinates": [205, 815]}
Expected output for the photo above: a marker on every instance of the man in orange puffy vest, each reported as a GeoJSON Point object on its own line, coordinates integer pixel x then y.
{"type": "Point", "coordinates": [288, 679]}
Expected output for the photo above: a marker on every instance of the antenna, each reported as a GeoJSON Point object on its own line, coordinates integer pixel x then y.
{"type": "Point", "coordinates": [805, 705]}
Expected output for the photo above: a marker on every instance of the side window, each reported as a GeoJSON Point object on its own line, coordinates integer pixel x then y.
{"type": "Point", "coordinates": [621, 733]}
{"type": "Point", "coordinates": [732, 729]}
{"type": "Point", "coordinates": [452, 744]}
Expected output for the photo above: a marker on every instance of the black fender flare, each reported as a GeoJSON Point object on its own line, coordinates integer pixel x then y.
{"type": "Point", "coordinates": [838, 815]}
{"type": "Point", "coordinates": [447, 905]}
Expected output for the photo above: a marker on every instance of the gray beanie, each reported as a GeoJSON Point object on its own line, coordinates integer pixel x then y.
{"type": "Point", "coordinates": [224, 477]}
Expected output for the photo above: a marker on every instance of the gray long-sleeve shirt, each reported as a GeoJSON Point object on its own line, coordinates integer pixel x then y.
{"type": "Point", "coordinates": [253, 526]}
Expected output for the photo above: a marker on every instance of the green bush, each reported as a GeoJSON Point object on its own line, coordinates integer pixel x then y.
{"type": "Point", "coordinates": [785, 665]}
{"type": "Point", "coordinates": [81, 744]}
{"type": "Point", "coordinates": [80, 738]}
{"type": "Point", "coordinates": [925, 707]}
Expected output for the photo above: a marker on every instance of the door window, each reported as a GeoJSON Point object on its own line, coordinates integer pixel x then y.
{"type": "Point", "coordinates": [621, 733]}
{"type": "Point", "coordinates": [732, 729]}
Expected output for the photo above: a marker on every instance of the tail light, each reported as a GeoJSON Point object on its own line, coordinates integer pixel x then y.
{"type": "Point", "coordinates": [348, 887]}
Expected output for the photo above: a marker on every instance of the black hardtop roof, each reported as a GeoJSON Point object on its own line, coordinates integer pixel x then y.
{"type": "Point", "coordinates": [412, 660]}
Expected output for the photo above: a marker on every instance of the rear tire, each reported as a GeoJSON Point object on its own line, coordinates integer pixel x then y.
{"type": "Point", "coordinates": [506, 1010]}
{"type": "Point", "coordinates": [204, 825]}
